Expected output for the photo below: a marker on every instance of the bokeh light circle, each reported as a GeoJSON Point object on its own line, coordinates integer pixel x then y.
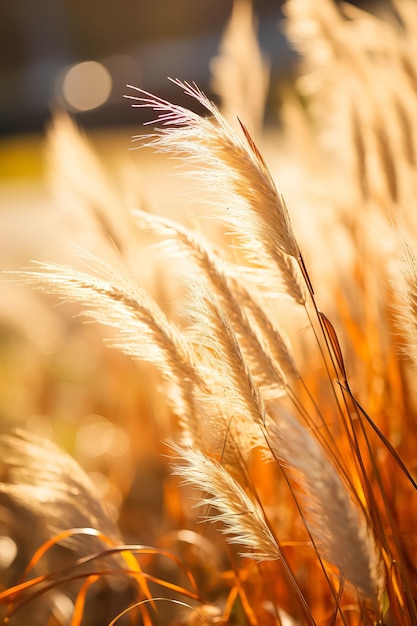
{"type": "Point", "coordinates": [86, 86]}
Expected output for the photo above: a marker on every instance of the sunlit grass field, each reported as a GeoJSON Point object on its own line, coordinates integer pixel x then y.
{"type": "Point", "coordinates": [208, 345]}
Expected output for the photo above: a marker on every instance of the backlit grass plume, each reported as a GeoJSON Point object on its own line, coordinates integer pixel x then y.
{"type": "Point", "coordinates": [336, 525]}
{"type": "Point", "coordinates": [239, 516]}
{"type": "Point", "coordinates": [36, 475]}
{"type": "Point", "coordinates": [213, 151]}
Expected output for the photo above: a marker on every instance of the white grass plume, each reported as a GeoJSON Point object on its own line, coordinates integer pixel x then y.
{"type": "Point", "coordinates": [231, 410]}
{"type": "Point", "coordinates": [37, 476]}
{"type": "Point", "coordinates": [261, 342]}
{"type": "Point", "coordinates": [336, 525]}
{"type": "Point", "coordinates": [243, 520]}
{"type": "Point", "coordinates": [141, 329]}
{"type": "Point", "coordinates": [213, 331]}
{"type": "Point", "coordinates": [238, 178]}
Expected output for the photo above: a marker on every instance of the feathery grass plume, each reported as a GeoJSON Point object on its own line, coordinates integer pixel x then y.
{"type": "Point", "coordinates": [262, 343]}
{"type": "Point", "coordinates": [243, 520]}
{"type": "Point", "coordinates": [38, 476]}
{"type": "Point", "coordinates": [79, 181]}
{"type": "Point", "coordinates": [211, 359]}
{"type": "Point", "coordinates": [338, 528]}
{"type": "Point", "coordinates": [358, 68]}
{"type": "Point", "coordinates": [274, 343]}
{"type": "Point", "coordinates": [213, 151]}
{"type": "Point", "coordinates": [406, 287]}
{"type": "Point", "coordinates": [55, 517]}
{"type": "Point", "coordinates": [214, 330]}
{"type": "Point", "coordinates": [240, 72]}
{"type": "Point", "coordinates": [234, 410]}
{"type": "Point", "coordinates": [142, 329]}
{"type": "Point", "coordinates": [362, 84]}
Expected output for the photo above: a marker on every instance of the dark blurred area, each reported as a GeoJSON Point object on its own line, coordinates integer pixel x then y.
{"type": "Point", "coordinates": [139, 42]}
{"type": "Point", "coordinates": [80, 55]}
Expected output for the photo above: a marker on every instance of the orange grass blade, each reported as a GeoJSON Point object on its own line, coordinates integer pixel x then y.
{"type": "Point", "coordinates": [334, 343]}
{"type": "Point", "coordinates": [143, 602]}
{"type": "Point", "coordinates": [173, 587]}
{"type": "Point", "coordinates": [43, 549]}
{"type": "Point", "coordinates": [127, 556]}
{"type": "Point", "coordinates": [8, 594]}
{"type": "Point", "coordinates": [78, 613]}
{"type": "Point", "coordinates": [141, 550]}
{"type": "Point", "coordinates": [237, 591]}
{"type": "Point", "coordinates": [253, 145]}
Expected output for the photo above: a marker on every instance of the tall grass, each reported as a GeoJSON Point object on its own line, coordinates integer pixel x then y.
{"type": "Point", "coordinates": [287, 362]}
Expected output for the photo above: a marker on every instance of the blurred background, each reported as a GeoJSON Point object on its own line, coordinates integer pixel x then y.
{"type": "Point", "coordinates": [52, 51]}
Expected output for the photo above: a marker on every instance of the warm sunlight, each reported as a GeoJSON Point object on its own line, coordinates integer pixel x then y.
{"type": "Point", "coordinates": [208, 325]}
